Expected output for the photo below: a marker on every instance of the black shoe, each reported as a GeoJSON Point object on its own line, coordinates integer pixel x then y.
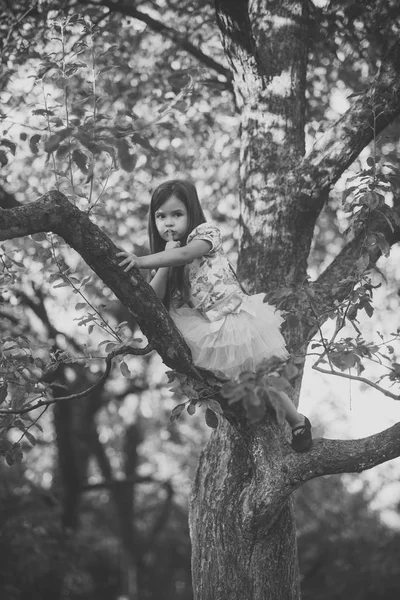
{"type": "Point", "coordinates": [301, 437]}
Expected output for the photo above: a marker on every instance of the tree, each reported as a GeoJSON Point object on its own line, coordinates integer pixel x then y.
{"type": "Point", "coordinates": [241, 519]}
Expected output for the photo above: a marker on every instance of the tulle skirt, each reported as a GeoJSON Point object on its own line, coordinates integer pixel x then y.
{"type": "Point", "coordinates": [238, 341]}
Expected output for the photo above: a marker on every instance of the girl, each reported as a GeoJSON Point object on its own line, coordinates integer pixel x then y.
{"type": "Point", "coordinates": [227, 331]}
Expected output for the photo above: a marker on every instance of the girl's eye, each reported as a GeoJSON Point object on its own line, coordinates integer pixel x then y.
{"type": "Point", "coordinates": [159, 216]}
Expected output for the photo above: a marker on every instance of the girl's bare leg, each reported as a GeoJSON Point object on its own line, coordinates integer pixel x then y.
{"type": "Point", "coordinates": [293, 417]}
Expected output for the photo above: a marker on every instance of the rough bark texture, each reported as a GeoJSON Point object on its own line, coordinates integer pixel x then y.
{"type": "Point", "coordinates": [266, 43]}
{"type": "Point", "coordinates": [237, 552]}
{"type": "Point", "coordinates": [241, 518]}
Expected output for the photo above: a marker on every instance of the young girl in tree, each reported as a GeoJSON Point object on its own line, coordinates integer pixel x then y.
{"type": "Point", "coordinates": [227, 331]}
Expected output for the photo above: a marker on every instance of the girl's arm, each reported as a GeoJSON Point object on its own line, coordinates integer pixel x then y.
{"type": "Point", "coordinates": [168, 258]}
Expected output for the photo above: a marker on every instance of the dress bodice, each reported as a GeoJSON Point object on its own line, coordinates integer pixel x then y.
{"type": "Point", "coordinates": [213, 287]}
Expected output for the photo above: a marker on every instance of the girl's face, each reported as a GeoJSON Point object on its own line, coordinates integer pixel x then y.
{"type": "Point", "coordinates": [172, 219]}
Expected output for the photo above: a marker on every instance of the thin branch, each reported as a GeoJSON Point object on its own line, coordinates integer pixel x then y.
{"type": "Point", "coordinates": [99, 382]}
{"type": "Point", "coordinates": [167, 32]}
{"type": "Point", "coordinates": [357, 378]}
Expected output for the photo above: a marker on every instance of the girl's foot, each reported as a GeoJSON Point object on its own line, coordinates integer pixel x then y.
{"type": "Point", "coordinates": [301, 437]}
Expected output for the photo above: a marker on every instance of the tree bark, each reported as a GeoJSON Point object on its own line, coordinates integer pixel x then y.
{"type": "Point", "coordinates": [241, 516]}
{"type": "Point", "coordinates": [237, 552]}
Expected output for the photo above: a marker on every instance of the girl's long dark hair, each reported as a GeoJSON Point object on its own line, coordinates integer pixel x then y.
{"type": "Point", "coordinates": [186, 192]}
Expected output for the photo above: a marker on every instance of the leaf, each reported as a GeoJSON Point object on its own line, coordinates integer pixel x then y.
{"type": "Point", "coordinates": [383, 244]}
{"type": "Point", "coordinates": [126, 159]}
{"type": "Point", "coordinates": [125, 370]}
{"type": "Point", "coordinates": [62, 151]}
{"type": "Point", "coordinates": [52, 143]}
{"type": "Point", "coordinates": [42, 112]}
{"type": "Point", "coordinates": [39, 237]}
{"type": "Point", "coordinates": [80, 306]}
{"type": "Point", "coordinates": [371, 199]}
{"type": "Point", "coordinates": [105, 69]}
{"type": "Point", "coordinates": [144, 142]}
{"type": "Point", "coordinates": [33, 143]}
{"type": "Point", "coordinates": [344, 360]}
{"type": "Point", "coordinates": [347, 192]}
{"type": "Point", "coordinates": [31, 438]}
{"type": "Point", "coordinates": [176, 412]}
{"type": "Point", "coordinates": [214, 406]}
{"type": "Point", "coordinates": [81, 160]}
{"type": "Point", "coordinates": [9, 144]}
{"type": "Point", "coordinates": [14, 454]}
{"type": "Point", "coordinates": [104, 341]}
{"type": "Point", "coordinates": [171, 375]}
{"type": "Point", "coordinates": [3, 158]}
{"type": "Point", "coordinates": [211, 419]}
{"type": "Point", "coordinates": [191, 408]}
{"type": "Point", "coordinates": [3, 392]}
{"type": "Point", "coordinates": [110, 347]}
{"type": "Point", "coordinates": [292, 320]}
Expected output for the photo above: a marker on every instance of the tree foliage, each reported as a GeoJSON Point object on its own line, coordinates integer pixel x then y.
{"type": "Point", "coordinates": [101, 105]}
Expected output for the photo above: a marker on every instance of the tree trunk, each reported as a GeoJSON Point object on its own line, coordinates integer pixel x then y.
{"type": "Point", "coordinates": [247, 549]}
{"type": "Point", "coordinates": [237, 553]}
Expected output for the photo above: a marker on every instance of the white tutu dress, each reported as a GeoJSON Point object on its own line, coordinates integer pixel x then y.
{"type": "Point", "coordinates": [227, 331]}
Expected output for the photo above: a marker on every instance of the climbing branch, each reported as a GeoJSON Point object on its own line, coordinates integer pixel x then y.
{"type": "Point", "coordinates": [53, 212]}
{"type": "Point", "coordinates": [329, 457]}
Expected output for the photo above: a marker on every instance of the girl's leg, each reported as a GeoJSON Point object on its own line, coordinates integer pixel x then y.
{"type": "Point", "coordinates": [301, 426]}
{"type": "Point", "coordinates": [293, 417]}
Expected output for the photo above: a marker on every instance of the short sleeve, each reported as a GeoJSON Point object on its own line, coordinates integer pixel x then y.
{"type": "Point", "coordinates": [208, 232]}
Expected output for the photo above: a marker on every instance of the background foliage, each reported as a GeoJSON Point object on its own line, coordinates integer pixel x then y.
{"type": "Point", "coordinates": [104, 103]}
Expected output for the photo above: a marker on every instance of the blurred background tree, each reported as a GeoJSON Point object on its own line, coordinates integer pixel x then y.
{"type": "Point", "coordinates": [104, 100]}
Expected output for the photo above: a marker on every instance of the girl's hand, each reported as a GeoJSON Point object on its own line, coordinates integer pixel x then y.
{"type": "Point", "coordinates": [171, 244]}
{"type": "Point", "coordinates": [131, 260]}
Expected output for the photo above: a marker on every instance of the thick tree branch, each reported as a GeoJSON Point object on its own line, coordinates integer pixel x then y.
{"type": "Point", "coordinates": [337, 149]}
{"type": "Point", "coordinates": [53, 212]}
{"type": "Point", "coordinates": [268, 491]}
{"type": "Point", "coordinates": [329, 457]}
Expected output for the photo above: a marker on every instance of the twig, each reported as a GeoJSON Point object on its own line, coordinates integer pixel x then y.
{"type": "Point", "coordinates": [358, 378]}
{"type": "Point", "coordinates": [109, 358]}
